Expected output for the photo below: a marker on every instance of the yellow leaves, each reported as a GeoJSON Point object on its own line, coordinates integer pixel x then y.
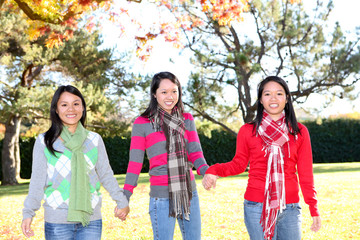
{"type": "Point", "coordinates": [43, 16]}
{"type": "Point", "coordinates": [33, 30]}
{"type": "Point", "coordinates": [144, 49]}
{"type": "Point", "coordinates": [54, 40]}
{"type": "Point", "coordinates": [226, 11]}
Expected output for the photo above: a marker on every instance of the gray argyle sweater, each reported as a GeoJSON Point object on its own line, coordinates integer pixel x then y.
{"type": "Point", "coordinates": [51, 179]}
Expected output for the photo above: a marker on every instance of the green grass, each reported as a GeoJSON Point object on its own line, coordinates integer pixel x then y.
{"type": "Point", "coordinates": [338, 187]}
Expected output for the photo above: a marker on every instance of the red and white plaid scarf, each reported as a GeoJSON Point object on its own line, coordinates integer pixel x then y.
{"type": "Point", "coordinates": [180, 190]}
{"type": "Point", "coordinates": [274, 135]}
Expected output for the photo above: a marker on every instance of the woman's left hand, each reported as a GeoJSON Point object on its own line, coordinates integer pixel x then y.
{"type": "Point", "coordinates": [316, 224]}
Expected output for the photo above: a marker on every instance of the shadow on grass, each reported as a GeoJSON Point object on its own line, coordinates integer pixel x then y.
{"type": "Point", "coordinates": [19, 189]}
{"type": "Point", "coordinates": [22, 188]}
{"type": "Point", "coordinates": [337, 167]}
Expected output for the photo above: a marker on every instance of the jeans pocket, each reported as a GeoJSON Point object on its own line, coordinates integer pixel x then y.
{"type": "Point", "coordinates": [248, 203]}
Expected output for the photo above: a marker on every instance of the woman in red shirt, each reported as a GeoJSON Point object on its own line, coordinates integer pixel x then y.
{"type": "Point", "coordinates": [277, 147]}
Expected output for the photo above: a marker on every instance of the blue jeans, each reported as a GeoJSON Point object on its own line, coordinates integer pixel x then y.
{"type": "Point", "coordinates": [73, 231]}
{"type": "Point", "coordinates": [288, 223]}
{"type": "Point", "coordinates": [163, 226]}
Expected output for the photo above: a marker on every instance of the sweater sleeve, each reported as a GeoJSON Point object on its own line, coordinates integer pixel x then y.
{"type": "Point", "coordinates": [195, 153]}
{"type": "Point", "coordinates": [33, 200]}
{"type": "Point", "coordinates": [305, 171]}
{"type": "Point", "coordinates": [240, 161]}
{"type": "Point", "coordinates": [106, 176]}
{"type": "Point", "coordinates": [136, 158]}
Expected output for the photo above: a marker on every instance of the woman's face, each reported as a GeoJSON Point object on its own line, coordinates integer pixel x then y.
{"type": "Point", "coordinates": [70, 110]}
{"type": "Point", "coordinates": [167, 95]}
{"type": "Point", "coordinates": [273, 99]}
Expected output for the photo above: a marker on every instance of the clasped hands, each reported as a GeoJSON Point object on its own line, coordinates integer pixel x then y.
{"type": "Point", "coordinates": [209, 181]}
{"type": "Point", "coordinates": [121, 213]}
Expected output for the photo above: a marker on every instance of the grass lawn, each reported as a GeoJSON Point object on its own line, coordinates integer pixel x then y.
{"type": "Point", "coordinates": [338, 187]}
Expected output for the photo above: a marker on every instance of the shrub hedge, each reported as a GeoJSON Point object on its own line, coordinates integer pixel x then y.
{"type": "Point", "coordinates": [332, 141]}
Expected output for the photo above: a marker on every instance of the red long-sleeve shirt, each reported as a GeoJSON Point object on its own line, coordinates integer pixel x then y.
{"type": "Point", "coordinates": [249, 149]}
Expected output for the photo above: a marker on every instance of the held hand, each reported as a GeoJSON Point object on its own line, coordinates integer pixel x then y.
{"type": "Point", "coordinates": [122, 213]}
{"type": "Point", "coordinates": [209, 181]}
{"type": "Point", "coordinates": [26, 227]}
{"type": "Point", "coordinates": [316, 224]}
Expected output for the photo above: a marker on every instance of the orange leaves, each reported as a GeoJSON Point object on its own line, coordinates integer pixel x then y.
{"type": "Point", "coordinates": [225, 11]}
{"type": "Point", "coordinates": [143, 49]}
{"type": "Point", "coordinates": [57, 39]}
{"type": "Point", "coordinates": [85, 2]}
{"type": "Point", "coordinates": [45, 14]}
{"type": "Point", "coordinates": [53, 40]}
{"type": "Point", "coordinates": [171, 28]}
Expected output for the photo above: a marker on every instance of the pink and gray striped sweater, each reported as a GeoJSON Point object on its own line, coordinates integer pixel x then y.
{"type": "Point", "coordinates": [144, 137]}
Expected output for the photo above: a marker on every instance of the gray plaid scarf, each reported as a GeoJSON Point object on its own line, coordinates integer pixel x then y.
{"type": "Point", "coordinates": [180, 192]}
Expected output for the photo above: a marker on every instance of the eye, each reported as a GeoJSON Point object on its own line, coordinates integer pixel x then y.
{"type": "Point", "coordinates": [163, 92]}
{"type": "Point", "coordinates": [63, 105]}
{"type": "Point", "coordinates": [175, 91]}
{"type": "Point", "coordinates": [77, 104]}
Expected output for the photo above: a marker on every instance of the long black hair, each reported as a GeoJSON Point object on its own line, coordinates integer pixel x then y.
{"type": "Point", "coordinates": [290, 118]}
{"type": "Point", "coordinates": [56, 124]}
{"type": "Point", "coordinates": [158, 77]}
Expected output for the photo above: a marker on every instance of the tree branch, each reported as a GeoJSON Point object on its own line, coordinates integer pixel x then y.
{"type": "Point", "coordinates": [206, 116]}
{"type": "Point", "coordinates": [34, 16]}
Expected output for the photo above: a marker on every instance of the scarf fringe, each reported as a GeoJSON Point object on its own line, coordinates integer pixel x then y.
{"type": "Point", "coordinates": [179, 205]}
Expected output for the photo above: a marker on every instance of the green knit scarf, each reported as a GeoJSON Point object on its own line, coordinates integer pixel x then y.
{"type": "Point", "coordinates": [80, 208]}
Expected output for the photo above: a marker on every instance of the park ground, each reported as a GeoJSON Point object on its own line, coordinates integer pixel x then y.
{"type": "Point", "coordinates": [337, 184]}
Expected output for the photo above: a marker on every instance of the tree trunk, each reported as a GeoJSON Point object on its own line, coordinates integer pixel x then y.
{"type": "Point", "coordinates": [249, 116]}
{"type": "Point", "coordinates": [11, 152]}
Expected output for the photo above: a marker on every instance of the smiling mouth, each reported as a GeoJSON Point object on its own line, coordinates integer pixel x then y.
{"type": "Point", "coordinates": [274, 105]}
{"type": "Point", "coordinates": [71, 116]}
{"type": "Point", "coordinates": [168, 103]}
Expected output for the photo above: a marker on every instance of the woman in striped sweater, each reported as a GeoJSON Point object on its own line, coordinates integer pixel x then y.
{"type": "Point", "coordinates": [169, 137]}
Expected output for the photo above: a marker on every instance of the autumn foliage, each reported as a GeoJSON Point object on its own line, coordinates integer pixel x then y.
{"type": "Point", "coordinates": [45, 17]}
{"type": "Point", "coordinates": [57, 19]}
{"type": "Point", "coordinates": [223, 11]}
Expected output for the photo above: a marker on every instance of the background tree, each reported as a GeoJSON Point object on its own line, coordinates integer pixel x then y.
{"type": "Point", "coordinates": [30, 71]}
{"type": "Point", "coordinates": [285, 40]}
{"type": "Point", "coordinates": [47, 15]}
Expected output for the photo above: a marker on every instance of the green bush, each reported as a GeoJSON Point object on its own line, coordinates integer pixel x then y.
{"type": "Point", "coordinates": [332, 141]}
{"type": "Point", "coordinates": [218, 148]}
{"type": "Point", "coordinates": [26, 148]}
{"type": "Point", "coordinates": [118, 152]}
{"type": "Point", "coordinates": [335, 140]}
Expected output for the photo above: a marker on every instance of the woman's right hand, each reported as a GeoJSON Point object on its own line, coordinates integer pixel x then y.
{"type": "Point", "coordinates": [26, 227]}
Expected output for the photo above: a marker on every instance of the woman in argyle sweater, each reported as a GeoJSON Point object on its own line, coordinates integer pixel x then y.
{"type": "Point", "coordinates": [276, 146]}
{"type": "Point", "coordinates": [70, 164]}
{"type": "Point", "coordinates": [169, 137]}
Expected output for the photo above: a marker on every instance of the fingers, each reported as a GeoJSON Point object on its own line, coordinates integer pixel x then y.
{"type": "Point", "coordinates": [209, 181]}
{"type": "Point", "coordinates": [316, 224]}
{"type": "Point", "coordinates": [26, 227]}
{"type": "Point", "coordinates": [122, 213]}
